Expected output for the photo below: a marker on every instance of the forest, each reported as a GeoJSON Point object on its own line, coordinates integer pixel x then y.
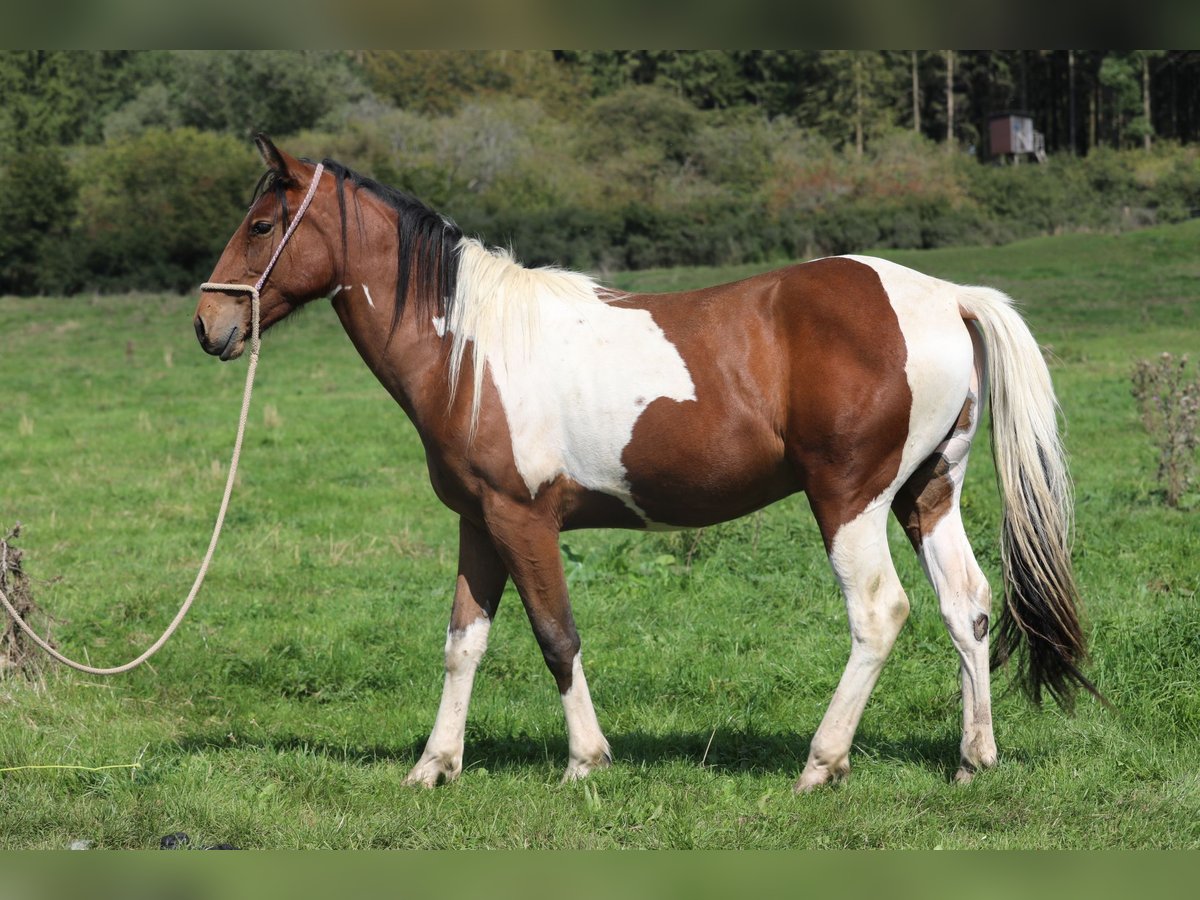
{"type": "Point", "coordinates": [126, 170]}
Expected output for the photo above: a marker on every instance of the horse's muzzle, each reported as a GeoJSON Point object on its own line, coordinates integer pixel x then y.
{"type": "Point", "coordinates": [225, 344]}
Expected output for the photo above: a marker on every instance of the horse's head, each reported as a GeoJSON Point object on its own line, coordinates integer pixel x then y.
{"type": "Point", "coordinates": [304, 271]}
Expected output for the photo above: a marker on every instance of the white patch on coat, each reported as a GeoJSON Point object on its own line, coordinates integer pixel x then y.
{"type": "Point", "coordinates": [573, 372]}
{"type": "Point", "coordinates": [367, 291]}
{"type": "Point", "coordinates": [939, 362]}
{"type": "Point", "coordinates": [964, 597]}
{"type": "Point", "coordinates": [337, 290]}
{"type": "Point", "coordinates": [586, 742]}
{"type": "Point", "coordinates": [444, 749]}
{"type": "Point", "coordinates": [439, 325]}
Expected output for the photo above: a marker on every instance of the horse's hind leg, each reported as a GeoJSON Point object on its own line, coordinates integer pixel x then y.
{"type": "Point", "coordinates": [877, 608]}
{"type": "Point", "coordinates": [965, 600]}
{"type": "Point", "coordinates": [928, 508]}
{"type": "Point", "coordinates": [481, 578]}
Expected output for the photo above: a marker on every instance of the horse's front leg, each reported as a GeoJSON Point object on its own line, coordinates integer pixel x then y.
{"type": "Point", "coordinates": [481, 578]}
{"type": "Point", "coordinates": [528, 544]}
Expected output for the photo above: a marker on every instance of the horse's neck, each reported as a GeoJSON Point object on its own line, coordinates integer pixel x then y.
{"type": "Point", "coordinates": [410, 361]}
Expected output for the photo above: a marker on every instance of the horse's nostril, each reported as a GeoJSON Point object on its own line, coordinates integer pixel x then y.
{"type": "Point", "coordinates": [199, 323]}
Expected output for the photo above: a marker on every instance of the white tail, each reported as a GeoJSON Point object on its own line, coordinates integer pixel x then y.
{"type": "Point", "coordinates": [1041, 599]}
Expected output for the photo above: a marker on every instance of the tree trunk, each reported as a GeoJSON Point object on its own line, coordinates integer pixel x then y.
{"type": "Point", "coordinates": [916, 95]}
{"type": "Point", "coordinates": [949, 101]}
{"type": "Point", "coordinates": [1071, 98]}
{"type": "Point", "coordinates": [1146, 136]}
{"type": "Point", "coordinates": [858, 105]}
{"type": "Point", "coordinates": [1092, 114]}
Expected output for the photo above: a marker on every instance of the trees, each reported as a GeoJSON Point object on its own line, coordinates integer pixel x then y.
{"type": "Point", "coordinates": [855, 95]}
{"type": "Point", "coordinates": [56, 97]}
{"type": "Point", "coordinates": [37, 207]}
{"type": "Point", "coordinates": [616, 158]}
{"type": "Point", "coordinates": [1127, 77]}
{"type": "Point", "coordinates": [47, 103]}
{"type": "Point", "coordinates": [441, 81]}
{"type": "Point", "coordinates": [244, 91]}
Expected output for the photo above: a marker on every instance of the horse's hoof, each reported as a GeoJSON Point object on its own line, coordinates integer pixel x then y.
{"type": "Point", "coordinates": [814, 777]}
{"type": "Point", "coordinates": [581, 768]}
{"type": "Point", "coordinates": [974, 759]}
{"type": "Point", "coordinates": [428, 772]}
{"type": "Point", "coordinates": [968, 770]}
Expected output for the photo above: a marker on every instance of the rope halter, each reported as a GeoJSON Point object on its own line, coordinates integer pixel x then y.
{"type": "Point", "coordinates": [254, 290]}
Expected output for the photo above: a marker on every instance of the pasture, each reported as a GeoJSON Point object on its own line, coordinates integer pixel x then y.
{"type": "Point", "coordinates": [293, 701]}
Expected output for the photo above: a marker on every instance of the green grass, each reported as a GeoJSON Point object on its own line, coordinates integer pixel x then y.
{"type": "Point", "coordinates": [291, 704]}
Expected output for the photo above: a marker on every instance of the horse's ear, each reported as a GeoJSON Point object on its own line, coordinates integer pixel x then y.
{"type": "Point", "coordinates": [284, 165]}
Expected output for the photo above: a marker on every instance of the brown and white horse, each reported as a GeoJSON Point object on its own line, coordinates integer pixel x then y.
{"type": "Point", "coordinates": [547, 402]}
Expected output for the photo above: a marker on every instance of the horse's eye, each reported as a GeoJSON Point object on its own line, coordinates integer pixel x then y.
{"type": "Point", "coordinates": [261, 227]}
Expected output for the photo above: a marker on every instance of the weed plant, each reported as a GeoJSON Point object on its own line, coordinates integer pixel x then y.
{"type": "Point", "coordinates": [1169, 399]}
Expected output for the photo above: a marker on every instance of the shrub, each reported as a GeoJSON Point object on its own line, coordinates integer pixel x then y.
{"type": "Point", "coordinates": [737, 153]}
{"type": "Point", "coordinates": [244, 91]}
{"type": "Point", "coordinates": [17, 652]}
{"type": "Point", "coordinates": [639, 178]}
{"type": "Point", "coordinates": [157, 208]}
{"type": "Point", "coordinates": [640, 117]}
{"type": "Point", "coordinates": [38, 199]}
{"type": "Point", "coordinates": [1176, 194]}
{"type": "Point", "coordinates": [572, 236]}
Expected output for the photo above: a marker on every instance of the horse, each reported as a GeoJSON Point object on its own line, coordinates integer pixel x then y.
{"type": "Point", "coordinates": [548, 402]}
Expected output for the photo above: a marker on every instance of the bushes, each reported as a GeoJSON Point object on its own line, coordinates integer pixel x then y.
{"type": "Point", "coordinates": [1175, 195]}
{"type": "Point", "coordinates": [157, 209]}
{"type": "Point", "coordinates": [1066, 193]}
{"type": "Point", "coordinates": [904, 223]}
{"type": "Point", "coordinates": [636, 236]}
{"type": "Point", "coordinates": [640, 178]}
{"type": "Point", "coordinates": [148, 212]}
{"type": "Point", "coordinates": [38, 198]}
{"type": "Point", "coordinates": [637, 118]}
{"type": "Point", "coordinates": [572, 236]}
{"type": "Point", "coordinates": [240, 92]}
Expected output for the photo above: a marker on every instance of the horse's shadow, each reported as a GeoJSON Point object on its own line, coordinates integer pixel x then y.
{"type": "Point", "coordinates": [725, 750]}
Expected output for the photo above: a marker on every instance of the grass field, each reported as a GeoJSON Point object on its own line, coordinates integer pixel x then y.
{"type": "Point", "coordinates": [293, 701]}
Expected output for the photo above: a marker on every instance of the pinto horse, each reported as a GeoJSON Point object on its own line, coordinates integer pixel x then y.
{"type": "Point", "coordinates": [547, 402]}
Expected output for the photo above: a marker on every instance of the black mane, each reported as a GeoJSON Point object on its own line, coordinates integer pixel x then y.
{"type": "Point", "coordinates": [426, 244]}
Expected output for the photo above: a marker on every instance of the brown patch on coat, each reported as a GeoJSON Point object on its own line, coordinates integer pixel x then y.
{"type": "Point", "coordinates": [808, 393]}
{"type": "Point", "coordinates": [965, 416]}
{"type": "Point", "coordinates": [981, 626]}
{"type": "Point", "coordinates": [583, 508]}
{"type": "Point", "coordinates": [928, 495]}
{"type": "Point", "coordinates": [924, 499]}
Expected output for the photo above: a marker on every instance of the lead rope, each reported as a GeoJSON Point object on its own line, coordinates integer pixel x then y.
{"type": "Point", "coordinates": [253, 290]}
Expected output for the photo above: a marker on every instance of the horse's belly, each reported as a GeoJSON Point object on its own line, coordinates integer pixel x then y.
{"type": "Point", "coordinates": [659, 509]}
{"type": "Point", "coordinates": [698, 465]}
